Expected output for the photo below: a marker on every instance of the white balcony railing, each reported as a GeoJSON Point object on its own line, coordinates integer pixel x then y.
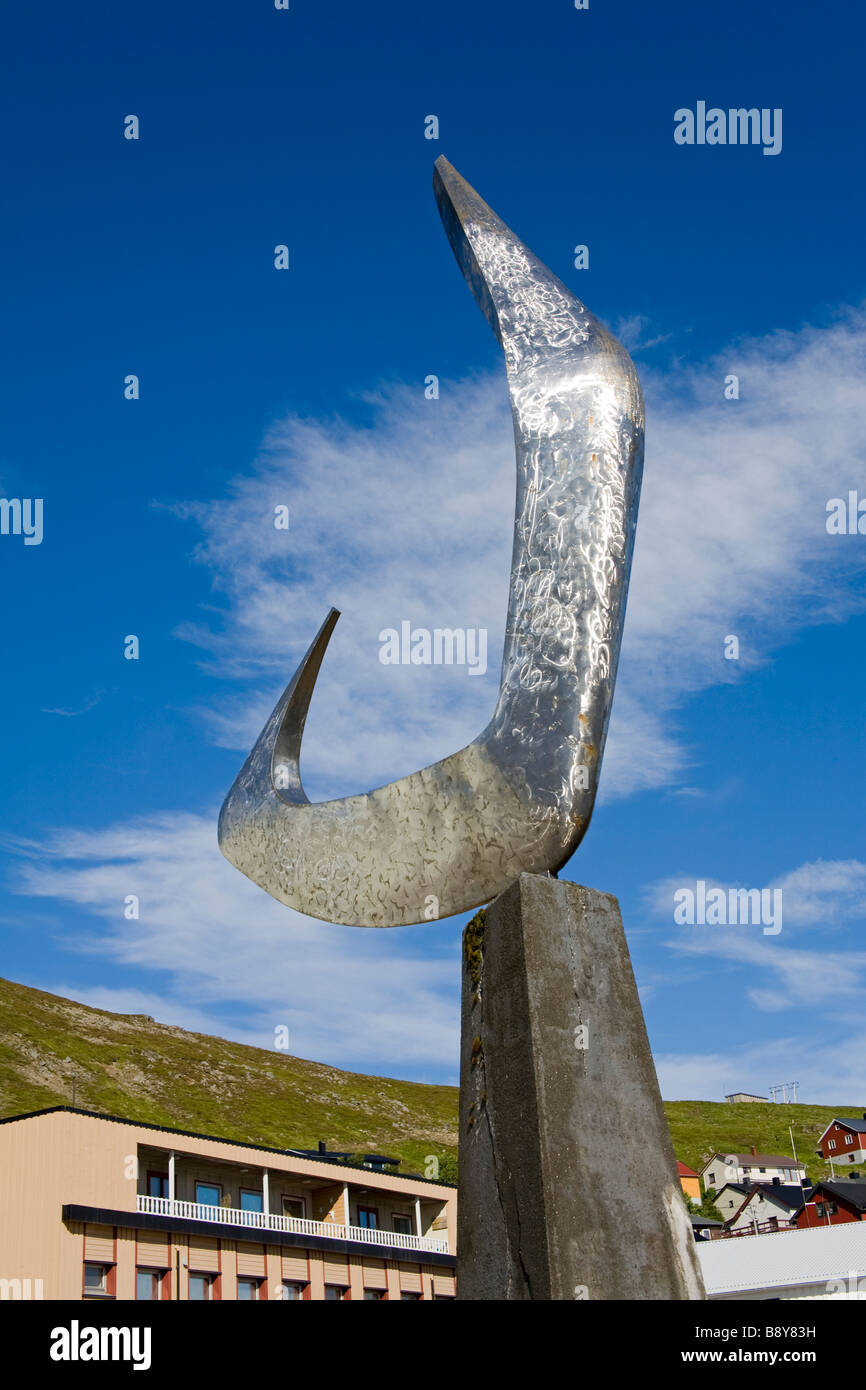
{"type": "Point", "coordinates": [299, 1225]}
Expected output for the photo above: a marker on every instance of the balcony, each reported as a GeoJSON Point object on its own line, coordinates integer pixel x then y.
{"type": "Point", "coordinates": [296, 1225]}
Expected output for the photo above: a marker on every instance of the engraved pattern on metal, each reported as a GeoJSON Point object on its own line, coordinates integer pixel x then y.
{"type": "Point", "coordinates": [519, 798]}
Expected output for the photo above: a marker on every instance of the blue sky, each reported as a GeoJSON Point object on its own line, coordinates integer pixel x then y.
{"type": "Point", "coordinates": [305, 387]}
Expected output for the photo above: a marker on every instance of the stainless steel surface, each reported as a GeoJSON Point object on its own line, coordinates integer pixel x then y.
{"type": "Point", "coordinates": [520, 797]}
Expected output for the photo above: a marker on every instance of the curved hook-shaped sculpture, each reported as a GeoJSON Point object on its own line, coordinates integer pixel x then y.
{"type": "Point", "coordinates": [519, 798]}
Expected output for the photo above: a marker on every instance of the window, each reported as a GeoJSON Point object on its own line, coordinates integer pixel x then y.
{"type": "Point", "coordinates": [373, 1295]}
{"type": "Point", "coordinates": [849, 1138]}
{"type": "Point", "coordinates": [251, 1201]}
{"type": "Point", "coordinates": [200, 1287]}
{"type": "Point", "coordinates": [248, 1290]}
{"type": "Point", "coordinates": [95, 1278]}
{"type": "Point", "coordinates": [293, 1206]}
{"type": "Point", "coordinates": [157, 1184]}
{"type": "Point", "coordinates": [292, 1293]}
{"type": "Point", "coordinates": [402, 1224]}
{"type": "Point", "coordinates": [208, 1194]}
{"type": "Point", "coordinates": [333, 1291]}
{"type": "Point", "coordinates": [409, 1297]}
{"type": "Point", "coordinates": [762, 1170]}
{"type": "Point", "coordinates": [368, 1217]}
{"type": "Point", "coordinates": [831, 1144]}
{"type": "Point", "coordinates": [147, 1284]}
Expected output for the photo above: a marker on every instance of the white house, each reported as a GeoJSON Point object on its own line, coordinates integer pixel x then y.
{"type": "Point", "coordinates": [730, 1198]}
{"type": "Point", "coordinates": [767, 1202]}
{"type": "Point", "coordinates": [751, 1167]}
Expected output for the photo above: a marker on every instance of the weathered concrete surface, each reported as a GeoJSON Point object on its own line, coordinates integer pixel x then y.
{"type": "Point", "coordinates": [567, 1181]}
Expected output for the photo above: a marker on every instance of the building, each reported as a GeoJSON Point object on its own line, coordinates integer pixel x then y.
{"type": "Point", "coordinates": [767, 1206]}
{"type": "Point", "coordinates": [828, 1262]}
{"type": "Point", "coordinates": [751, 1167]}
{"type": "Point", "coordinates": [740, 1096]}
{"type": "Point", "coordinates": [730, 1198]}
{"type": "Point", "coordinates": [834, 1203]}
{"type": "Point", "coordinates": [98, 1207]}
{"type": "Point", "coordinates": [690, 1181]}
{"type": "Point", "coordinates": [844, 1141]}
{"type": "Point", "coordinates": [704, 1227]}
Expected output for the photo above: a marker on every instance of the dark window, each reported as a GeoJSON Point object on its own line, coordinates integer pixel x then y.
{"type": "Point", "coordinates": [248, 1290]}
{"type": "Point", "coordinates": [200, 1287]}
{"type": "Point", "coordinates": [333, 1291]}
{"type": "Point", "coordinates": [147, 1284]}
{"type": "Point", "coordinates": [157, 1184]}
{"type": "Point", "coordinates": [373, 1295]}
{"type": "Point", "coordinates": [292, 1293]}
{"type": "Point", "coordinates": [95, 1278]}
{"type": "Point", "coordinates": [293, 1206]}
{"type": "Point", "coordinates": [403, 1225]}
{"type": "Point", "coordinates": [368, 1217]}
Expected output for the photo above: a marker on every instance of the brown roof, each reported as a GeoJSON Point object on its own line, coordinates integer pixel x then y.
{"type": "Point", "coordinates": [684, 1171]}
{"type": "Point", "coordinates": [765, 1161]}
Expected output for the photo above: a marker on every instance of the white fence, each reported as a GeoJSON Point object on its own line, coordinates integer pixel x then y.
{"type": "Point", "coordinates": [298, 1225]}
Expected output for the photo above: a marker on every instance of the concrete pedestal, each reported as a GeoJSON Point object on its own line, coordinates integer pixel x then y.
{"type": "Point", "coordinates": [567, 1178]}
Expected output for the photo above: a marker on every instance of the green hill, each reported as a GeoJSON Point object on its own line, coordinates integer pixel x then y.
{"type": "Point", "coordinates": [701, 1127]}
{"type": "Point", "coordinates": [126, 1064]}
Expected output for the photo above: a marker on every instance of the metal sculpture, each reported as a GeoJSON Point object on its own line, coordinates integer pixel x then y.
{"type": "Point", "coordinates": [519, 798]}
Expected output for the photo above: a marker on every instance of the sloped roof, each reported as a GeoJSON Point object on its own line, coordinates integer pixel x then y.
{"type": "Point", "coordinates": [852, 1190]}
{"type": "Point", "coordinates": [783, 1258]}
{"type": "Point", "coordinates": [684, 1171]}
{"type": "Point", "coordinates": [766, 1161]}
{"type": "Point", "coordinates": [790, 1195]}
{"type": "Point", "coordinates": [754, 1160]}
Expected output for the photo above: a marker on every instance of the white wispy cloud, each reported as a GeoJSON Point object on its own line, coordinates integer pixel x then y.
{"type": "Point", "coordinates": [83, 708]}
{"type": "Point", "coordinates": [829, 1070]}
{"type": "Point", "coordinates": [410, 517]}
{"type": "Point", "coordinates": [821, 893]}
{"type": "Point", "coordinates": [359, 999]}
{"type": "Point", "coordinates": [632, 333]}
{"type": "Point", "coordinates": [823, 897]}
{"type": "Point", "coordinates": [163, 1008]}
{"type": "Point", "coordinates": [816, 980]}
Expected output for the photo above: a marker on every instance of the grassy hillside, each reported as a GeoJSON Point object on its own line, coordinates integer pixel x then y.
{"type": "Point", "coordinates": [699, 1127]}
{"type": "Point", "coordinates": [126, 1064]}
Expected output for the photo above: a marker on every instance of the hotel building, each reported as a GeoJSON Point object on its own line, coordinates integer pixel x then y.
{"type": "Point", "coordinates": [94, 1207]}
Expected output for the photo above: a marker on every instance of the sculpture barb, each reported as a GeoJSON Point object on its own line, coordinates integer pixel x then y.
{"type": "Point", "coordinates": [519, 798]}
